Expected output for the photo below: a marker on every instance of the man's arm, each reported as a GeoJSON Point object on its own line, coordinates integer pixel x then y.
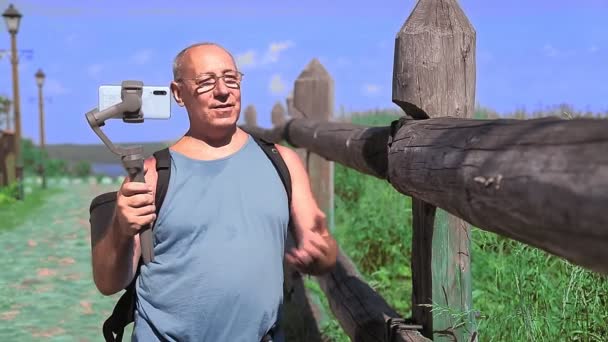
{"type": "Point", "coordinates": [115, 257]}
{"type": "Point", "coordinates": [116, 251]}
{"type": "Point", "coordinates": [316, 249]}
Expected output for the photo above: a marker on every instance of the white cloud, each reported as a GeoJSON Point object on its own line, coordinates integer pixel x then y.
{"type": "Point", "coordinates": [274, 50]}
{"type": "Point", "coordinates": [54, 87]}
{"type": "Point", "coordinates": [94, 70]}
{"type": "Point", "coordinates": [277, 85]}
{"type": "Point", "coordinates": [141, 57]}
{"type": "Point", "coordinates": [371, 89]}
{"type": "Point", "coordinates": [246, 59]}
{"type": "Point", "coordinates": [272, 54]}
{"type": "Point", "coordinates": [550, 50]}
{"type": "Point", "coordinates": [594, 49]}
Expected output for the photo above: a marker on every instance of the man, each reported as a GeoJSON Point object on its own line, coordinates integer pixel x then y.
{"type": "Point", "coordinates": [220, 233]}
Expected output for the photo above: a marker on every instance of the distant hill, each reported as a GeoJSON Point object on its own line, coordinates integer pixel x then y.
{"type": "Point", "coordinates": [96, 153]}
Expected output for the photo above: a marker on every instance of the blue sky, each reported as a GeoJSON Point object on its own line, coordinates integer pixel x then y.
{"type": "Point", "coordinates": [530, 54]}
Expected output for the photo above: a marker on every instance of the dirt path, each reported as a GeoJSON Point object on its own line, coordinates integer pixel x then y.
{"type": "Point", "coordinates": [46, 287]}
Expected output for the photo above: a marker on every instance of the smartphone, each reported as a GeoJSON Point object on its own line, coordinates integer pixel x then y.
{"type": "Point", "coordinates": [156, 100]}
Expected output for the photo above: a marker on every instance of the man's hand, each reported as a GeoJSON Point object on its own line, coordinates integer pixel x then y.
{"type": "Point", "coordinates": [134, 207]}
{"type": "Point", "coordinates": [316, 249]}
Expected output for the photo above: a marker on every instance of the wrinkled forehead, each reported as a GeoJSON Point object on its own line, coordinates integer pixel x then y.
{"type": "Point", "coordinates": [207, 59]}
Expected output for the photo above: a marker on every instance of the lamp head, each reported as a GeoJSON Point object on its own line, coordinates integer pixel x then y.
{"type": "Point", "coordinates": [40, 77]}
{"type": "Point", "coordinates": [12, 17]}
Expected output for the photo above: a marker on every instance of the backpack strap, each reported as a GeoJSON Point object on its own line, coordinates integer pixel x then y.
{"type": "Point", "coordinates": [124, 310]}
{"type": "Point", "coordinates": [277, 160]}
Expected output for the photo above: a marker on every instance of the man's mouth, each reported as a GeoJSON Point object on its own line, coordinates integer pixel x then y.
{"type": "Point", "coordinates": [222, 106]}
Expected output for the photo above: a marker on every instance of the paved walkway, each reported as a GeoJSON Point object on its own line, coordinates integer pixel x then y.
{"type": "Point", "coordinates": [46, 287]}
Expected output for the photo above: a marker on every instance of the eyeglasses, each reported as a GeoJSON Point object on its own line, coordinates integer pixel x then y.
{"type": "Point", "coordinates": [207, 82]}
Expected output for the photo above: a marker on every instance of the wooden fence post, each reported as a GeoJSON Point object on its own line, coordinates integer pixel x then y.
{"type": "Point", "coordinates": [293, 113]}
{"type": "Point", "coordinates": [314, 99]}
{"type": "Point", "coordinates": [277, 115]}
{"type": "Point", "coordinates": [251, 116]}
{"type": "Point", "coordinates": [434, 73]}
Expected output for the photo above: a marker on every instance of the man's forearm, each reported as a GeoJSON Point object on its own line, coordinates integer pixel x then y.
{"type": "Point", "coordinates": [113, 260]}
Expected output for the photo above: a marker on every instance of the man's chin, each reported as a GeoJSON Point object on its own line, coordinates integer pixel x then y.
{"type": "Point", "coordinates": [224, 122]}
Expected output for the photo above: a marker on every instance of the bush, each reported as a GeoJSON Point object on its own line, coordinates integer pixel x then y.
{"type": "Point", "coordinates": [32, 155]}
{"type": "Point", "coordinates": [8, 194]}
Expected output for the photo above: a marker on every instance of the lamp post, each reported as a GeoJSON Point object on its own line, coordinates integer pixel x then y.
{"type": "Point", "coordinates": [12, 17]}
{"type": "Point", "coordinates": [40, 81]}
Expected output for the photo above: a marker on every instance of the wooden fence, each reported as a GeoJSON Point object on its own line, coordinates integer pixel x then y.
{"type": "Point", "coordinates": [543, 182]}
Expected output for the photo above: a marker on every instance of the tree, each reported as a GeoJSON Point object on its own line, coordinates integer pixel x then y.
{"type": "Point", "coordinates": [82, 169]}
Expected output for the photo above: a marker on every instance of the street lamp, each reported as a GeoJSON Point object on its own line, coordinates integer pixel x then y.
{"type": "Point", "coordinates": [12, 18]}
{"type": "Point", "coordinates": [40, 81]}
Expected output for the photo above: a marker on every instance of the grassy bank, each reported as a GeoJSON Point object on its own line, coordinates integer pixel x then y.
{"type": "Point", "coordinates": [522, 293]}
{"type": "Point", "coordinates": [14, 212]}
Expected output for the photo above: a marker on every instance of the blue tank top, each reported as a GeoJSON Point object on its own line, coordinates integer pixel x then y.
{"type": "Point", "coordinates": [218, 244]}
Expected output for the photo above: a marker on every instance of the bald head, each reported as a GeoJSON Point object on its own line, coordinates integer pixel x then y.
{"type": "Point", "coordinates": [182, 56]}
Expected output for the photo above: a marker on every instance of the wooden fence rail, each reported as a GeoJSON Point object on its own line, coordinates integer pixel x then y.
{"type": "Point", "coordinates": [543, 182]}
{"type": "Point", "coordinates": [363, 314]}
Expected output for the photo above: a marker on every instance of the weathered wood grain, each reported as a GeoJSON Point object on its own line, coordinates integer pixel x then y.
{"type": "Point", "coordinates": [277, 114]}
{"type": "Point", "coordinates": [361, 311]}
{"type": "Point", "coordinates": [434, 74]}
{"type": "Point", "coordinates": [543, 182]}
{"type": "Point", "coordinates": [251, 116]}
{"type": "Point", "coordinates": [313, 97]}
{"type": "Point", "coordinates": [359, 147]}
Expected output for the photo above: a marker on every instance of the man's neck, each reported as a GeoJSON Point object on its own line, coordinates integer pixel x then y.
{"type": "Point", "coordinates": [205, 147]}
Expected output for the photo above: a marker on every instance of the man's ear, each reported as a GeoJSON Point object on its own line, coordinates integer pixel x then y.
{"type": "Point", "coordinates": [177, 93]}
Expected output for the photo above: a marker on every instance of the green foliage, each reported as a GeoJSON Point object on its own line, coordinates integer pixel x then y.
{"type": "Point", "coordinates": [81, 169]}
{"type": "Point", "coordinates": [14, 212]}
{"type": "Point", "coordinates": [32, 155]}
{"type": "Point", "coordinates": [8, 194]}
{"type": "Point", "coordinates": [524, 293]}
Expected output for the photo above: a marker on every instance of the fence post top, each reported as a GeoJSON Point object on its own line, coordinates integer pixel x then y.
{"type": "Point", "coordinates": [441, 16]}
{"type": "Point", "coordinates": [314, 69]}
{"type": "Point", "coordinates": [250, 109]}
{"type": "Point", "coordinates": [278, 106]}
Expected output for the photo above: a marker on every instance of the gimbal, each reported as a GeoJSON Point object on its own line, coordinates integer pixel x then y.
{"type": "Point", "coordinates": [132, 156]}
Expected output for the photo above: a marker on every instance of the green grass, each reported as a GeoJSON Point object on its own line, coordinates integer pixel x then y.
{"type": "Point", "coordinates": [14, 212]}
{"type": "Point", "coordinates": [522, 293]}
{"type": "Point", "coordinates": [525, 293]}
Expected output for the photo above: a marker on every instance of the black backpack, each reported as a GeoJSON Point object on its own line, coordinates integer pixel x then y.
{"type": "Point", "coordinates": [102, 208]}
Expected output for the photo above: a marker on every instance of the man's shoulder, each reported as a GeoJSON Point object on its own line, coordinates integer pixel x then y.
{"type": "Point", "coordinates": [291, 158]}
{"type": "Point", "coordinates": [288, 155]}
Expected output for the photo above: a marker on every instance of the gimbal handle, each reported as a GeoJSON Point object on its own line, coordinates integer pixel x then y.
{"type": "Point", "coordinates": [132, 156]}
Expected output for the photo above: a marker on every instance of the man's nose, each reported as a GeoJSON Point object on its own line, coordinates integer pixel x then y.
{"type": "Point", "coordinates": [220, 88]}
